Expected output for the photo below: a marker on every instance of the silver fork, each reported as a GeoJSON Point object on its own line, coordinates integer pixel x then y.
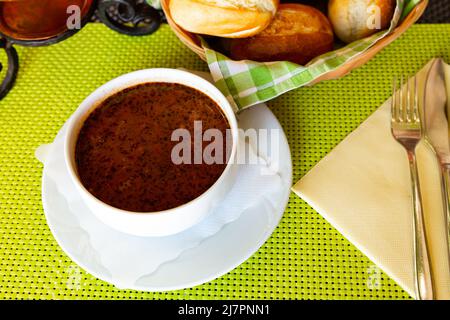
{"type": "Point", "coordinates": [406, 129]}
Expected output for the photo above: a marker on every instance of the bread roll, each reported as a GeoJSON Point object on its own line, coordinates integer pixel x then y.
{"type": "Point", "coordinates": [298, 33]}
{"type": "Point", "coordinates": [357, 19]}
{"type": "Point", "coordinates": [223, 18]}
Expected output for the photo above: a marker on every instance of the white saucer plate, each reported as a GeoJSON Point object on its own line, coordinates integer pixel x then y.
{"type": "Point", "coordinates": [213, 257]}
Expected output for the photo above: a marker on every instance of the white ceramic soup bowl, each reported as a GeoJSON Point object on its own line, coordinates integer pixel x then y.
{"type": "Point", "coordinates": [169, 221]}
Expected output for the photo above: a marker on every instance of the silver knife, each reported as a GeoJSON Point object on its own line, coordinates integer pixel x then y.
{"type": "Point", "coordinates": [436, 119]}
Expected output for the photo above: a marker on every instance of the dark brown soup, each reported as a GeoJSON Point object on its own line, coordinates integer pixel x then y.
{"type": "Point", "coordinates": [123, 152]}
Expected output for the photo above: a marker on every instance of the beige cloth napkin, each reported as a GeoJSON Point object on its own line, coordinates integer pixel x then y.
{"type": "Point", "coordinates": [362, 187]}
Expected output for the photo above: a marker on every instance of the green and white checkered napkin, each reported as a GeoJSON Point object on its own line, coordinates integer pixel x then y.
{"type": "Point", "coordinates": [246, 82]}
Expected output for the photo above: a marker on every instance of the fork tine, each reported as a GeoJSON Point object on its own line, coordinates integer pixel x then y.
{"type": "Point", "coordinates": [416, 116]}
{"type": "Point", "coordinates": [394, 105]}
{"type": "Point", "coordinates": [400, 99]}
{"type": "Point", "coordinates": [408, 107]}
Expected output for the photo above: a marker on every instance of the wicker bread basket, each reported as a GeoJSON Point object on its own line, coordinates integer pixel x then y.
{"type": "Point", "coordinates": [192, 41]}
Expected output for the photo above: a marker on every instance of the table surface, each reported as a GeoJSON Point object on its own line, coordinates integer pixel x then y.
{"type": "Point", "coordinates": [304, 258]}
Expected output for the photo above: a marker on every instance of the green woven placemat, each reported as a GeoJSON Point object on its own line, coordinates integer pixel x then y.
{"type": "Point", "coordinates": [304, 258]}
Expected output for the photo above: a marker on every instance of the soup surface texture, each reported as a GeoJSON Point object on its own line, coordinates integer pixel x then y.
{"type": "Point", "coordinates": [123, 152]}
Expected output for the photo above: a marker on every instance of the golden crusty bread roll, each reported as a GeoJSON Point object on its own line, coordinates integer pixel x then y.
{"type": "Point", "coordinates": [298, 33]}
{"type": "Point", "coordinates": [357, 19]}
{"type": "Point", "coordinates": [223, 18]}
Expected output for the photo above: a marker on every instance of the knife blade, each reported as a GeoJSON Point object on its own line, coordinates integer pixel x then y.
{"type": "Point", "coordinates": [436, 127]}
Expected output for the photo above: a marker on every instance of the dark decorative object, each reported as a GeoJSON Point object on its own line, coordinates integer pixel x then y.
{"type": "Point", "coordinates": [130, 17]}
{"type": "Point", "coordinates": [438, 11]}
{"type": "Point", "coordinates": [11, 71]}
